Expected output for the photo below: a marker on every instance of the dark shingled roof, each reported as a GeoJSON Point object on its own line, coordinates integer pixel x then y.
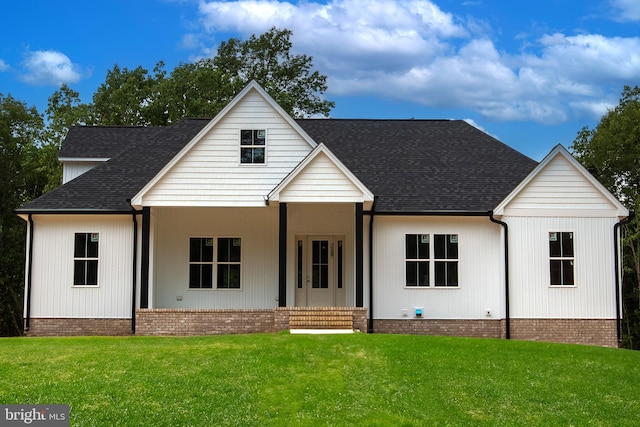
{"type": "Point", "coordinates": [424, 165]}
{"type": "Point", "coordinates": [410, 165]}
{"type": "Point", "coordinates": [108, 187]}
{"type": "Point", "coordinates": [101, 142]}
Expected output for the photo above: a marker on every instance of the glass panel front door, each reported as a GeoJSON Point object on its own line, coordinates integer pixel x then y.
{"type": "Point", "coordinates": [320, 269]}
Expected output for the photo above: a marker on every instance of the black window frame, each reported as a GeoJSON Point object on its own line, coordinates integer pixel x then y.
{"type": "Point", "coordinates": [562, 259]}
{"type": "Point", "coordinates": [86, 255]}
{"type": "Point", "coordinates": [417, 260]}
{"type": "Point", "coordinates": [253, 146]}
{"type": "Point", "coordinates": [201, 262]}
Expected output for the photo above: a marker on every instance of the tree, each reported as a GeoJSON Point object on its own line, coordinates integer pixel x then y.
{"type": "Point", "coordinates": [611, 152]}
{"type": "Point", "coordinates": [267, 59]}
{"type": "Point", "coordinates": [204, 87]}
{"type": "Point", "coordinates": [20, 180]}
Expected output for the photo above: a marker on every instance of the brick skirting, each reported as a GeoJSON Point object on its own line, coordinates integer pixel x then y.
{"type": "Point", "coordinates": [48, 327]}
{"type": "Point", "coordinates": [601, 332]}
{"type": "Point", "coordinates": [176, 322]}
{"type": "Point", "coordinates": [445, 327]}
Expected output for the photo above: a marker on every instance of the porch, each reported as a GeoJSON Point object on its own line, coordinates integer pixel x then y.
{"type": "Point", "coordinates": [204, 321]}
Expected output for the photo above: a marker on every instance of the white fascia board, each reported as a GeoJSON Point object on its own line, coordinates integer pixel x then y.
{"type": "Point", "coordinates": [274, 195]}
{"type": "Point", "coordinates": [559, 150]}
{"type": "Point", "coordinates": [137, 200]}
{"type": "Point", "coordinates": [83, 159]}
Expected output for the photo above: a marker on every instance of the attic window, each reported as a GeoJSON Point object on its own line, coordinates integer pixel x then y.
{"type": "Point", "coordinates": [252, 146]}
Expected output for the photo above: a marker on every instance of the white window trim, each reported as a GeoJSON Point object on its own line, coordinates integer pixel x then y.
{"type": "Point", "coordinates": [573, 258]}
{"type": "Point", "coordinates": [97, 285]}
{"type": "Point", "coordinates": [215, 263]}
{"type": "Point", "coordinates": [240, 146]}
{"type": "Point", "coordinates": [431, 260]}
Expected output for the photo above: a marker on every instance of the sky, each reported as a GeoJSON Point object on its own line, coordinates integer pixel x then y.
{"type": "Point", "coordinates": [529, 73]}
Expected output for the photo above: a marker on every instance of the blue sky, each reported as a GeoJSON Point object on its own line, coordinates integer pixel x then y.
{"type": "Point", "coordinates": [531, 74]}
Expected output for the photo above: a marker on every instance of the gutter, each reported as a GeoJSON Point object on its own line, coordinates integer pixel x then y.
{"type": "Point", "coordinates": [27, 320]}
{"type": "Point", "coordinates": [507, 317]}
{"type": "Point", "coordinates": [616, 250]}
{"type": "Point", "coordinates": [371, 214]}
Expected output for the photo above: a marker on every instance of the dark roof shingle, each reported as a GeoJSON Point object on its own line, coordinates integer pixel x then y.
{"type": "Point", "coordinates": [410, 165]}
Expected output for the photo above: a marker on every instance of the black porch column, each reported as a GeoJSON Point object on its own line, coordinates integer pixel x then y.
{"type": "Point", "coordinates": [282, 256]}
{"type": "Point", "coordinates": [144, 274]}
{"type": "Point", "coordinates": [359, 256]}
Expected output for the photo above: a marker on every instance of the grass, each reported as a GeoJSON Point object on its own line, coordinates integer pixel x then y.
{"type": "Point", "coordinates": [301, 380]}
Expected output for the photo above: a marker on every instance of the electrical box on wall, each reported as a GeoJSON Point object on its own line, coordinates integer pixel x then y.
{"type": "Point", "coordinates": [418, 312]}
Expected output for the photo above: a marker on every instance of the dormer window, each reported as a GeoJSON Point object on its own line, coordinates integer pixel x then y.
{"type": "Point", "coordinates": [252, 146]}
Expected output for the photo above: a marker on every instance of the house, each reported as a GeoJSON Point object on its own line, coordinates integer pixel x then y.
{"type": "Point", "coordinates": [254, 221]}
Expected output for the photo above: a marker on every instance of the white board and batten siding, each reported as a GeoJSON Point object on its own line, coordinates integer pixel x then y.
{"type": "Point", "coordinates": [52, 292]}
{"type": "Point", "coordinates": [531, 296]}
{"type": "Point", "coordinates": [258, 230]}
{"type": "Point", "coordinates": [481, 270]}
{"type": "Point", "coordinates": [211, 174]}
{"type": "Point", "coordinates": [560, 196]}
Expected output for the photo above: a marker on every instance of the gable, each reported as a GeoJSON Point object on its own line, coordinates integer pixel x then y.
{"type": "Point", "coordinates": [560, 186]}
{"type": "Point", "coordinates": [208, 172]}
{"type": "Point", "coordinates": [321, 178]}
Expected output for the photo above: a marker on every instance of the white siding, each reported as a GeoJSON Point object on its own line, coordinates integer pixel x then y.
{"type": "Point", "coordinates": [72, 170]}
{"type": "Point", "coordinates": [321, 181]}
{"type": "Point", "coordinates": [258, 229]}
{"type": "Point", "coordinates": [211, 173]}
{"type": "Point", "coordinates": [532, 297]}
{"type": "Point", "coordinates": [481, 269]}
{"type": "Point", "coordinates": [561, 190]}
{"type": "Point", "coordinates": [53, 293]}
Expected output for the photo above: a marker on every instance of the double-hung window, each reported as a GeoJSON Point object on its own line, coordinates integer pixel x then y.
{"type": "Point", "coordinates": [431, 260]}
{"type": "Point", "coordinates": [446, 259]}
{"type": "Point", "coordinates": [417, 259]}
{"type": "Point", "coordinates": [561, 258]}
{"type": "Point", "coordinates": [252, 146]}
{"type": "Point", "coordinates": [85, 259]}
{"type": "Point", "coordinates": [229, 263]}
{"type": "Point", "coordinates": [223, 265]}
{"type": "Point", "coordinates": [201, 262]}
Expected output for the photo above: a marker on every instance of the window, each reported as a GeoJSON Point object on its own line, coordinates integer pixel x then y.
{"type": "Point", "coordinates": [229, 263]}
{"type": "Point", "coordinates": [561, 258]}
{"type": "Point", "coordinates": [252, 146]}
{"type": "Point", "coordinates": [423, 270]}
{"type": "Point", "coordinates": [201, 262]}
{"type": "Point", "coordinates": [446, 259]}
{"type": "Point", "coordinates": [85, 259]}
{"type": "Point", "coordinates": [417, 259]}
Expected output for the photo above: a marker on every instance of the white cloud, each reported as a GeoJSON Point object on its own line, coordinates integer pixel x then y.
{"type": "Point", "coordinates": [4, 66]}
{"type": "Point", "coordinates": [413, 50]}
{"type": "Point", "coordinates": [626, 10]}
{"type": "Point", "coordinates": [49, 67]}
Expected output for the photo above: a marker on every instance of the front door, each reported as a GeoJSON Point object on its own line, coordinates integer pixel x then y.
{"type": "Point", "coordinates": [320, 272]}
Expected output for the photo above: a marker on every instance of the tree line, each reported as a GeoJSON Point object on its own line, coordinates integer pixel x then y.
{"type": "Point", "coordinates": [29, 144]}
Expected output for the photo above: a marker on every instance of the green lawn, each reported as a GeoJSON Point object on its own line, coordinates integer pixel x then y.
{"type": "Point", "coordinates": [290, 380]}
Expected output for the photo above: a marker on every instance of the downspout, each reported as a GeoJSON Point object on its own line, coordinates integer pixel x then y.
{"type": "Point", "coordinates": [507, 318]}
{"type": "Point", "coordinates": [27, 320]}
{"type": "Point", "coordinates": [135, 275]}
{"type": "Point", "coordinates": [371, 214]}
{"type": "Point", "coordinates": [616, 243]}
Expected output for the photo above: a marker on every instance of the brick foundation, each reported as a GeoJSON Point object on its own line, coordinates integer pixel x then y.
{"type": "Point", "coordinates": [460, 328]}
{"type": "Point", "coordinates": [176, 322]}
{"type": "Point", "coordinates": [600, 332]}
{"type": "Point", "coordinates": [43, 327]}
